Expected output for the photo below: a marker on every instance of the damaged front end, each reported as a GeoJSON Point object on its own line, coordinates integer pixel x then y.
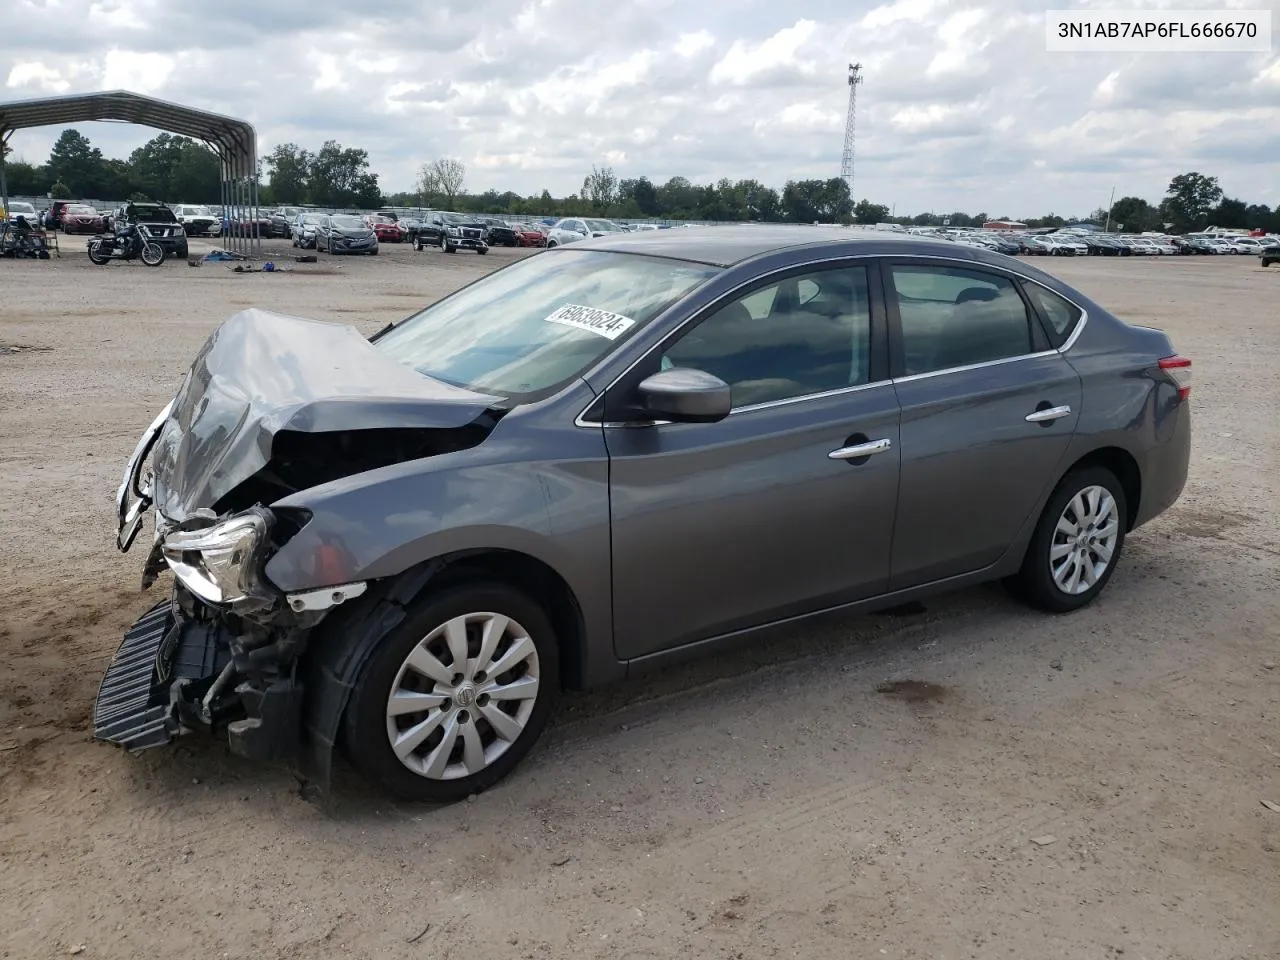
{"type": "Point", "coordinates": [272, 406]}
{"type": "Point", "coordinates": [222, 651]}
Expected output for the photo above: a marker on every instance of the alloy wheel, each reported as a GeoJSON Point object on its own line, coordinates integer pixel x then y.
{"type": "Point", "coordinates": [1084, 540]}
{"type": "Point", "coordinates": [463, 696]}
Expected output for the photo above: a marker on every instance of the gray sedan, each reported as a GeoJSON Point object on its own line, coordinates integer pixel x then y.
{"type": "Point", "coordinates": [603, 458]}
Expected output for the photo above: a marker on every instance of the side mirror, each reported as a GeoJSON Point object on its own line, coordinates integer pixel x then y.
{"type": "Point", "coordinates": [685, 395]}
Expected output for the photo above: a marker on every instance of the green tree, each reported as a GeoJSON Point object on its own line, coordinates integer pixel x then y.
{"type": "Point", "coordinates": [290, 171]}
{"type": "Point", "coordinates": [1134, 214]}
{"type": "Point", "coordinates": [76, 163]}
{"type": "Point", "coordinates": [1260, 217]}
{"type": "Point", "coordinates": [600, 188]}
{"type": "Point", "coordinates": [1229, 213]}
{"type": "Point", "coordinates": [339, 177]}
{"type": "Point", "coordinates": [824, 201]}
{"type": "Point", "coordinates": [197, 175]}
{"type": "Point", "coordinates": [59, 191]}
{"type": "Point", "coordinates": [643, 193]}
{"type": "Point", "coordinates": [26, 179]}
{"type": "Point", "coordinates": [867, 212]}
{"type": "Point", "coordinates": [1189, 199]}
{"type": "Point", "coordinates": [677, 198]}
{"type": "Point", "coordinates": [444, 179]}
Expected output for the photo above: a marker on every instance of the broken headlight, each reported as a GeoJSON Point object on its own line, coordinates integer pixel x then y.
{"type": "Point", "coordinates": [219, 563]}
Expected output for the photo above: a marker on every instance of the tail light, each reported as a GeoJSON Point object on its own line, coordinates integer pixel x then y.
{"type": "Point", "coordinates": [1178, 368]}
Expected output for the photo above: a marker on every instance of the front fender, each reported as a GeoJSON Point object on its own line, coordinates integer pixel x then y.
{"type": "Point", "coordinates": [380, 523]}
{"type": "Point", "coordinates": [494, 496]}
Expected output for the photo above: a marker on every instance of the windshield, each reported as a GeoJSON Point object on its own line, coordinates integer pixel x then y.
{"type": "Point", "coordinates": [157, 214]}
{"type": "Point", "coordinates": [603, 226]}
{"type": "Point", "coordinates": [197, 211]}
{"type": "Point", "coordinates": [348, 223]}
{"type": "Point", "coordinates": [527, 329]}
{"type": "Point", "coordinates": [312, 217]}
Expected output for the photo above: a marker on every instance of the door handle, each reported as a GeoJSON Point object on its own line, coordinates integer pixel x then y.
{"type": "Point", "coordinates": [1048, 413]}
{"type": "Point", "coordinates": [860, 450]}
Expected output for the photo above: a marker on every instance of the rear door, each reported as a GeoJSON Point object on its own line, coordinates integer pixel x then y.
{"type": "Point", "coordinates": [784, 507]}
{"type": "Point", "coordinates": [988, 411]}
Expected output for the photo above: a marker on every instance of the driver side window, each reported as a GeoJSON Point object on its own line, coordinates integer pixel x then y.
{"type": "Point", "coordinates": [803, 335]}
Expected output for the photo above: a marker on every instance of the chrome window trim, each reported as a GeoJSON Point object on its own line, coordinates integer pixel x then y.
{"type": "Point", "coordinates": [974, 366]}
{"type": "Point", "coordinates": [1067, 344]}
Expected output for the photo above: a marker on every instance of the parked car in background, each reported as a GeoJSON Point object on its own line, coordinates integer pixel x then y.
{"type": "Point", "coordinates": [459, 231]}
{"type": "Point", "coordinates": [405, 548]}
{"type": "Point", "coordinates": [245, 226]}
{"type": "Point", "coordinates": [52, 219]}
{"type": "Point", "coordinates": [386, 228]}
{"type": "Point", "coordinates": [20, 208]}
{"type": "Point", "coordinates": [82, 218]}
{"type": "Point", "coordinates": [345, 233]}
{"type": "Point", "coordinates": [304, 229]}
{"type": "Point", "coordinates": [573, 229]}
{"type": "Point", "coordinates": [280, 221]}
{"type": "Point", "coordinates": [499, 233]}
{"type": "Point", "coordinates": [530, 235]}
{"type": "Point", "coordinates": [162, 225]}
{"type": "Point", "coordinates": [1270, 255]}
{"type": "Point", "coordinates": [197, 220]}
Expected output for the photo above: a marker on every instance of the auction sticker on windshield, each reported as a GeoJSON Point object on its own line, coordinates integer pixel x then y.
{"type": "Point", "coordinates": [601, 322]}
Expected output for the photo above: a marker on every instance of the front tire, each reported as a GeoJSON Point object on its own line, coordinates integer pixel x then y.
{"type": "Point", "coordinates": [153, 254]}
{"type": "Point", "coordinates": [454, 697]}
{"type": "Point", "coordinates": [1077, 542]}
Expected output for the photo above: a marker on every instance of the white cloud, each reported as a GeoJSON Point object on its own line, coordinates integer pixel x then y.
{"type": "Point", "coordinates": [33, 73]}
{"type": "Point", "coordinates": [692, 44]}
{"type": "Point", "coordinates": [914, 11]}
{"type": "Point", "coordinates": [747, 61]}
{"type": "Point", "coordinates": [139, 71]}
{"type": "Point", "coordinates": [961, 108]}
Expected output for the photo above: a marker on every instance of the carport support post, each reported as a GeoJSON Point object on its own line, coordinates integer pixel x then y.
{"type": "Point", "coordinates": [4, 184]}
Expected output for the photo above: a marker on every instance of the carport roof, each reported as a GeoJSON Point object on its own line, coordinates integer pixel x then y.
{"type": "Point", "coordinates": [235, 139]}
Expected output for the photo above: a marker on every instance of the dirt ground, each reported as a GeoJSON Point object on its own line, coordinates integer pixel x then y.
{"type": "Point", "coordinates": [786, 801]}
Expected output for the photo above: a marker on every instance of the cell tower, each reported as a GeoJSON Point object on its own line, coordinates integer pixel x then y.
{"type": "Point", "coordinates": [846, 160]}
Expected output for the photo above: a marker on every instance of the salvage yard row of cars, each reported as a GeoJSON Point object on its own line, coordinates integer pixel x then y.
{"type": "Point", "coordinates": [448, 230]}
{"type": "Point", "coordinates": [1079, 243]}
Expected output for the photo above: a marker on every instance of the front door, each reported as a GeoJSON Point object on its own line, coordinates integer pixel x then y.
{"type": "Point", "coordinates": [988, 411]}
{"type": "Point", "coordinates": [784, 507]}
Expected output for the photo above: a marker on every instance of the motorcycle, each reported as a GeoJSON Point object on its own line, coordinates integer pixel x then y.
{"type": "Point", "coordinates": [133, 243]}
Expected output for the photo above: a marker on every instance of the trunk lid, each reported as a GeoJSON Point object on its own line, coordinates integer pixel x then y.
{"type": "Point", "coordinates": [262, 374]}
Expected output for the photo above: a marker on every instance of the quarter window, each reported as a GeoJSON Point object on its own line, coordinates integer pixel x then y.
{"type": "Point", "coordinates": [803, 335]}
{"type": "Point", "coordinates": [954, 317]}
{"type": "Point", "coordinates": [1061, 314]}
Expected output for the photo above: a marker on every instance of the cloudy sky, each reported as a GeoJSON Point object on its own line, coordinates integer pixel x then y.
{"type": "Point", "coordinates": [961, 108]}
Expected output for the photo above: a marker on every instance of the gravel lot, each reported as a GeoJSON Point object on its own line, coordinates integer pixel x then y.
{"type": "Point", "coordinates": [770, 804]}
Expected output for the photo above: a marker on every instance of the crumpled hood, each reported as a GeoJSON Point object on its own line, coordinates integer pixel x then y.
{"type": "Point", "coordinates": [261, 373]}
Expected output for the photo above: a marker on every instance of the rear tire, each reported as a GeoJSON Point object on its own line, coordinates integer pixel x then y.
{"type": "Point", "coordinates": [1082, 527]}
{"type": "Point", "coordinates": [369, 723]}
{"type": "Point", "coordinates": [96, 255]}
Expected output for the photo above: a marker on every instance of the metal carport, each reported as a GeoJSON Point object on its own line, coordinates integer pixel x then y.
{"type": "Point", "coordinates": [235, 142]}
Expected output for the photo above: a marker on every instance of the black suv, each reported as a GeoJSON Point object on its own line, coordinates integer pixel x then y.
{"type": "Point", "coordinates": [161, 223]}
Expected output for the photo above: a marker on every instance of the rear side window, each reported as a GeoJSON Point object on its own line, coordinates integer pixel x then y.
{"type": "Point", "coordinates": [1061, 314]}
{"type": "Point", "coordinates": [956, 317]}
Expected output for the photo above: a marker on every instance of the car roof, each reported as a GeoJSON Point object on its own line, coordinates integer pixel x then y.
{"type": "Point", "coordinates": [728, 245]}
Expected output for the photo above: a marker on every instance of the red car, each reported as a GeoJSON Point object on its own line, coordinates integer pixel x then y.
{"type": "Point", "coordinates": [81, 218]}
{"type": "Point", "coordinates": [529, 236]}
{"type": "Point", "coordinates": [385, 229]}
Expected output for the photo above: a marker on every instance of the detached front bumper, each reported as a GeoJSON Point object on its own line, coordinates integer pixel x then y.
{"type": "Point", "coordinates": [177, 672]}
